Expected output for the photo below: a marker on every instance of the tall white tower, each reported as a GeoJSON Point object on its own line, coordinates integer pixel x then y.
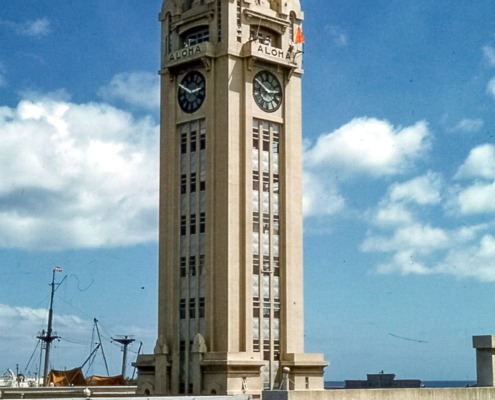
{"type": "Point", "coordinates": [230, 264]}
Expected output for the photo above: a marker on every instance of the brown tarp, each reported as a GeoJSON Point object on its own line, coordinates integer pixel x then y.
{"type": "Point", "coordinates": [117, 380]}
{"type": "Point", "coordinates": [71, 377]}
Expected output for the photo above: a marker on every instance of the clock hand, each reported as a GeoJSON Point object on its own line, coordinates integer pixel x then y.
{"type": "Point", "coordinates": [263, 86]}
{"type": "Point", "coordinates": [185, 88]}
{"type": "Point", "coordinates": [197, 89]}
{"type": "Point", "coordinates": [269, 91]}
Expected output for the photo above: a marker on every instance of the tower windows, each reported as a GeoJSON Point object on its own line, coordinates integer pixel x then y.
{"type": "Point", "coordinates": [202, 307]}
{"type": "Point", "coordinates": [266, 182]}
{"type": "Point", "coordinates": [183, 184]}
{"type": "Point", "coordinates": [266, 230]}
{"type": "Point", "coordinates": [219, 20]}
{"type": "Point", "coordinates": [193, 141]}
{"type": "Point", "coordinates": [256, 222]}
{"type": "Point", "coordinates": [265, 36]}
{"type": "Point", "coordinates": [183, 143]}
{"type": "Point", "coordinates": [192, 265]}
{"type": "Point", "coordinates": [256, 264]}
{"type": "Point", "coordinates": [182, 308]}
{"type": "Point", "coordinates": [192, 306]}
{"type": "Point", "coordinates": [276, 225]}
{"type": "Point", "coordinates": [275, 183]}
{"type": "Point", "coordinates": [201, 264]}
{"type": "Point", "coordinates": [256, 135]}
{"type": "Point", "coordinates": [196, 36]}
{"type": "Point", "coordinates": [292, 27]}
{"type": "Point", "coordinates": [202, 222]}
{"type": "Point", "coordinates": [192, 182]}
{"type": "Point", "coordinates": [168, 44]}
{"type": "Point", "coordinates": [256, 180]}
{"type": "Point", "coordinates": [239, 20]}
{"type": "Point", "coordinates": [192, 227]}
{"type": "Point", "coordinates": [183, 225]}
{"type": "Point", "coordinates": [183, 267]}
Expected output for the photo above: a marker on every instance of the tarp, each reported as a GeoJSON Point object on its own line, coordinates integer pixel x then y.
{"type": "Point", "coordinates": [95, 380]}
{"type": "Point", "coordinates": [70, 377]}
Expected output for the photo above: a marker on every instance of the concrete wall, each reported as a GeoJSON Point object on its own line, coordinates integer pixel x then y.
{"type": "Point", "coordinates": [472, 393]}
{"type": "Point", "coordinates": [107, 393]}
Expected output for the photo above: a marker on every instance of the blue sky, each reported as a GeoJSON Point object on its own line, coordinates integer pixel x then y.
{"type": "Point", "coordinates": [399, 181]}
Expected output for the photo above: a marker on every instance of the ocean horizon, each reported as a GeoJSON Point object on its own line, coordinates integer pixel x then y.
{"type": "Point", "coordinates": [424, 384]}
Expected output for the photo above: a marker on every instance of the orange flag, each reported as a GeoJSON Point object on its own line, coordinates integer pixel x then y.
{"type": "Point", "coordinates": [299, 35]}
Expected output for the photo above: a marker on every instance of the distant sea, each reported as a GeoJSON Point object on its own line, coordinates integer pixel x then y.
{"type": "Point", "coordinates": [426, 384]}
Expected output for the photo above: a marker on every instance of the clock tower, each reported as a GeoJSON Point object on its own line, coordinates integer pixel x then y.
{"type": "Point", "coordinates": [230, 315]}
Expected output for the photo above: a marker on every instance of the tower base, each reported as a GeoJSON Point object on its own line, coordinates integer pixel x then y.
{"type": "Point", "coordinates": [303, 371]}
{"type": "Point", "coordinates": [230, 374]}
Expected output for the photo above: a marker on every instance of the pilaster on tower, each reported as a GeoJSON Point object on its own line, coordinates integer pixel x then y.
{"type": "Point", "coordinates": [230, 315]}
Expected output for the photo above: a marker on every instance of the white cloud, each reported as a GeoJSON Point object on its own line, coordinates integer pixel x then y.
{"type": "Point", "coordinates": [371, 147]}
{"type": "Point", "coordinates": [361, 148]}
{"type": "Point", "coordinates": [415, 238]}
{"type": "Point", "coordinates": [475, 261]}
{"type": "Point", "coordinates": [320, 196]}
{"type": "Point", "coordinates": [338, 35]}
{"type": "Point", "coordinates": [140, 89]}
{"type": "Point", "coordinates": [37, 28]}
{"type": "Point", "coordinates": [396, 207]}
{"type": "Point", "coordinates": [469, 125]}
{"type": "Point", "coordinates": [421, 190]}
{"type": "Point", "coordinates": [479, 164]}
{"type": "Point", "coordinates": [392, 214]}
{"type": "Point", "coordinates": [20, 325]}
{"type": "Point", "coordinates": [404, 262]}
{"type": "Point", "coordinates": [410, 246]}
{"type": "Point", "coordinates": [489, 54]}
{"type": "Point", "coordinates": [491, 87]}
{"type": "Point", "coordinates": [3, 80]}
{"type": "Point", "coordinates": [76, 175]}
{"type": "Point", "coordinates": [477, 199]}
{"type": "Point", "coordinates": [467, 252]}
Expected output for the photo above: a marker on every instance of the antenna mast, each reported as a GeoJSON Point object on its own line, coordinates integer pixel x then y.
{"type": "Point", "coordinates": [47, 337]}
{"type": "Point", "coordinates": [99, 340]}
{"type": "Point", "coordinates": [124, 341]}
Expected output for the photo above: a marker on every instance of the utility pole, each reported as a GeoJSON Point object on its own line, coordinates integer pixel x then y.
{"type": "Point", "coordinates": [124, 341]}
{"type": "Point", "coordinates": [48, 337]}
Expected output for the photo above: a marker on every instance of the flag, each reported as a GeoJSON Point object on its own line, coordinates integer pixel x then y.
{"type": "Point", "coordinates": [58, 269]}
{"type": "Point", "coordinates": [299, 35]}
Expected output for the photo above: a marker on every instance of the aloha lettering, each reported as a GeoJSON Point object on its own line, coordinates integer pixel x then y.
{"type": "Point", "coordinates": [184, 53]}
{"type": "Point", "coordinates": [272, 51]}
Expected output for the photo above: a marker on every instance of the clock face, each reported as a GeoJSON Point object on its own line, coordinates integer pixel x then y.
{"type": "Point", "coordinates": [192, 92]}
{"type": "Point", "coordinates": [267, 91]}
